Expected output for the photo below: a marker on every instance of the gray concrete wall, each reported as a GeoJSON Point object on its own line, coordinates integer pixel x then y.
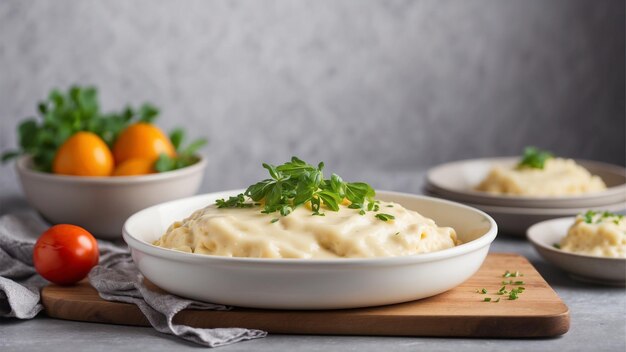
{"type": "Point", "coordinates": [370, 87]}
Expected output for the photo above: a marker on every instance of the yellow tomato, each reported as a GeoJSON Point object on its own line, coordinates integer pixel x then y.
{"type": "Point", "coordinates": [135, 166]}
{"type": "Point", "coordinates": [141, 141]}
{"type": "Point", "coordinates": [83, 154]}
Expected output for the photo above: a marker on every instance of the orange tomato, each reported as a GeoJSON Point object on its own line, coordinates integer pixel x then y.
{"type": "Point", "coordinates": [141, 141]}
{"type": "Point", "coordinates": [83, 154]}
{"type": "Point", "coordinates": [134, 167]}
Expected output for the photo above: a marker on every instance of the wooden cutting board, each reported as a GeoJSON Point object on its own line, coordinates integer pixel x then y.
{"type": "Point", "coordinates": [460, 312]}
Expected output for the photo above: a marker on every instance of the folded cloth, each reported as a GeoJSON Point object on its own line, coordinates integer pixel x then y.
{"type": "Point", "coordinates": [116, 278]}
{"type": "Point", "coordinates": [19, 283]}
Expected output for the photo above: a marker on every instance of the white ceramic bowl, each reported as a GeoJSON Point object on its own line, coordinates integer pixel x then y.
{"type": "Point", "coordinates": [608, 271]}
{"type": "Point", "coordinates": [516, 220]}
{"type": "Point", "coordinates": [306, 283]}
{"type": "Point", "coordinates": [456, 180]}
{"type": "Point", "coordinates": [102, 204]}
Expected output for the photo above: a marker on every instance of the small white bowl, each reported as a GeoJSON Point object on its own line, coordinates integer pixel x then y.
{"type": "Point", "coordinates": [456, 181]}
{"type": "Point", "coordinates": [307, 283]}
{"type": "Point", "coordinates": [102, 204]}
{"type": "Point", "coordinates": [601, 270]}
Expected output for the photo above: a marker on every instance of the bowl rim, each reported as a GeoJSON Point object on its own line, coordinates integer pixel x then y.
{"type": "Point", "coordinates": [544, 211]}
{"type": "Point", "coordinates": [477, 195]}
{"type": "Point", "coordinates": [484, 240]}
{"type": "Point", "coordinates": [533, 239]}
{"type": "Point", "coordinates": [22, 166]}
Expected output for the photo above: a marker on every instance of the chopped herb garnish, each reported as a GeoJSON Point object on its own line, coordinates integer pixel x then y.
{"type": "Point", "coordinates": [514, 293]}
{"type": "Point", "coordinates": [588, 216]}
{"type": "Point", "coordinates": [591, 217]}
{"type": "Point", "coordinates": [518, 283]}
{"type": "Point", "coordinates": [483, 291]}
{"type": "Point", "coordinates": [510, 274]}
{"type": "Point", "coordinates": [385, 217]}
{"type": "Point", "coordinates": [557, 246]}
{"type": "Point", "coordinates": [274, 220]}
{"type": "Point", "coordinates": [487, 299]}
{"type": "Point", "coordinates": [534, 158]}
{"type": "Point", "coordinates": [397, 233]}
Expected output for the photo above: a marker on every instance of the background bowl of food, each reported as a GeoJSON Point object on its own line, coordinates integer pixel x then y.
{"type": "Point", "coordinates": [590, 247]}
{"type": "Point", "coordinates": [520, 191]}
{"type": "Point", "coordinates": [299, 241]}
{"type": "Point", "coordinates": [79, 166]}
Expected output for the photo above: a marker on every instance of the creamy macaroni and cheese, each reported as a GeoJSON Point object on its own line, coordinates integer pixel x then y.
{"type": "Point", "coordinates": [597, 234]}
{"type": "Point", "coordinates": [246, 232]}
{"type": "Point", "coordinates": [558, 177]}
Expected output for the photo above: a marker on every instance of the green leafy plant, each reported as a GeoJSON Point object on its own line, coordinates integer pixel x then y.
{"type": "Point", "coordinates": [534, 158]}
{"type": "Point", "coordinates": [185, 156]}
{"type": "Point", "coordinates": [295, 183]}
{"type": "Point", "coordinates": [64, 114]}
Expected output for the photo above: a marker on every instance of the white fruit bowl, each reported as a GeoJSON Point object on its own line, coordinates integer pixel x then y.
{"type": "Point", "coordinates": [102, 204]}
{"type": "Point", "coordinates": [307, 283]}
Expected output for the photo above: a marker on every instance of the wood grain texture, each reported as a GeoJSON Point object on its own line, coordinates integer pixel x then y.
{"type": "Point", "coordinates": [460, 312]}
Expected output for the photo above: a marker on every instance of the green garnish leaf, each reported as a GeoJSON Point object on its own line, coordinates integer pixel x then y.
{"type": "Point", "coordinates": [534, 158]}
{"type": "Point", "coordinates": [483, 291]}
{"type": "Point", "coordinates": [487, 299]}
{"type": "Point", "coordinates": [588, 216]}
{"type": "Point", "coordinates": [176, 137]}
{"type": "Point", "coordinates": [385, 217]}
{"type": "Point", "coordinates": [238, 201]}
{"type": "Point", "coordinates": [557, 246]}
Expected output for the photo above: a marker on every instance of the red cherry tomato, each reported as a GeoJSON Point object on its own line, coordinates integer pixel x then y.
{"type": "Point", "coordinates": [65, 254]}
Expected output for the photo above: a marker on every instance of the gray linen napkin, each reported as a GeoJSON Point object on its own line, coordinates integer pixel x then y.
{"type": "Point", "coordinates": [116, 279]}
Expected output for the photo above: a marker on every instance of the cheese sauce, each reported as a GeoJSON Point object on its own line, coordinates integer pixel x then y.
{"type": "Point", "coordinates": [246, 232]}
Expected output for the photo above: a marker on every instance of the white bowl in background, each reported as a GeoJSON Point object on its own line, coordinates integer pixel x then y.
{"type": "Point", "coordinates": [456, 181]}
{"type": "Point", "coordinates": [602, 270]}
{"type": "Point", "coordinates": [515, 221]}
{"type": "Point", "coordinates": [102, 204]}
{"type": "Point", "coordinates": [310, 283]}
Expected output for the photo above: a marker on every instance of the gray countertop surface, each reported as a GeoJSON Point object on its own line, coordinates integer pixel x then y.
{"type": "Point", "coordinates": [598, 317]}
